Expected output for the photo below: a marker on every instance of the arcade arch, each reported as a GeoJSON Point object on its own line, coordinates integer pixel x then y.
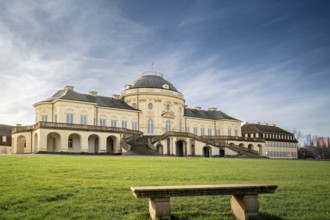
{"type": "Point", "coordinates": [74, 143]}
{"type": "Point", "coordinates": [93, 143]}
{"type": "Point", "coordinates": [159, 148]}
{"type": "Point", "coordinates": [21, 144]}
{"type": "Point", "coordinates": [180, 148]}
{"type": "Point", "coordinates": [207, 151]}
{"type": "Point", "coordinates": [53, 142]}
{"type": "Point", "coordinates": [111, 144]}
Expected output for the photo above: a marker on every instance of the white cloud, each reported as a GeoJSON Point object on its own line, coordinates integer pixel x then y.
{"type": "Point", "coordinates": [46, 45]}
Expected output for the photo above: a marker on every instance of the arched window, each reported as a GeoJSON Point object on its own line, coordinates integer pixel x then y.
{"type": "Point", "coordinates": [150, 106]}
{"type": "Point", "coordinates": [134, 105]}
{"type": "Point", "coordinates": [150, 126]}
{"type": "Point", "coordinates": [168, 107]}
{"type": "Point", "coordinates": [168, 125]}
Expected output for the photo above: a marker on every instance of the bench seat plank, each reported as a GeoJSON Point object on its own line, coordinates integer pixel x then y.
{"type": "Point", "coordinates": [202, 190]}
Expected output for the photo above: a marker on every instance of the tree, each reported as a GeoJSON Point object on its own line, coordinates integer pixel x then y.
{"type": "Point", "coordinates": [299, 135]}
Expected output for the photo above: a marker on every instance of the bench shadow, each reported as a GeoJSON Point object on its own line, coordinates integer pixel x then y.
{"type": "Point", "coordinates": [266, 216]}
{"type": "Point", "coordinates": [262, 216]}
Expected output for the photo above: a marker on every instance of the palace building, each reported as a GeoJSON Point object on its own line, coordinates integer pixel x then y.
{"type": "Point", "coordinates": [148, 117]}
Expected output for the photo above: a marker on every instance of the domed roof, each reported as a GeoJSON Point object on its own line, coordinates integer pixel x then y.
{"type": "Point", "coordinates": [152, 80]}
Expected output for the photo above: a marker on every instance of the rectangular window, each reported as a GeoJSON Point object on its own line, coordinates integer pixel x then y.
{"type": "Point", "coordinates": [236, 132]}
{"type": "Point", "coordinates": [44, 118]}
{"type": "Point", "coordinates": [229, 132]}
{"type": "Point", "coordinates": [69, 118]}
{"type": "Point", "coordinates": [195, 131]}
{"type": "Point", "coordinates": [124, 124]}
{"type": "Point", "coordinates": [209, 132]}
{"type": "Point", "coordinates": [187, 129]}
{"type": "Point", "coordinates": [217, 132]}
{"type": "Point", "coordinates": [134, 125]}
{"type": "Point", "coordinates": [83, 119]}
{"type": "Point", "coordinates": [70, 143]}
{"type": "Point", "coordinates": [113, 123]}
{"type": "Point", "coordinates": [202, 131]}
{"type": "Point", "coordinates": [102, 122]}
{"type": "Point", "coordinates": [4, 139]}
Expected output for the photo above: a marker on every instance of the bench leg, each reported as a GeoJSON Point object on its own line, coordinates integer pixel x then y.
{"type": "Point", "coordinates": [244, 206]}
{"type": "Point", "coordinates": [160, 208]}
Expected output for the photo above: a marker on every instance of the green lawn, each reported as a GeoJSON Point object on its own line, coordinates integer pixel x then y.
{"type": "Point", "coordinates": [97, 187]}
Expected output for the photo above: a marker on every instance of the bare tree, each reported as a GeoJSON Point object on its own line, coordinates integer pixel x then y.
{"type": "Point", "coordinates": [299, 135]}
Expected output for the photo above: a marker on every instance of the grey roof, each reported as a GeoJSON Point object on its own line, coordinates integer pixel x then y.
{"type": "Point", "coordinates": [258, 128]}
{"type": "Point", "coordinates": [152, 81]}
{"type": "Point", "coordinates": [5, 129]}
{"type": "Point", "coordinates": [98, 100]}
{"type": "Point", "coordinates": [214, 115]}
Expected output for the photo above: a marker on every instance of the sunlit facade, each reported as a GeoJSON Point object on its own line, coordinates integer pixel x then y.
{"type": "Point", "coordinates": [150, 109]}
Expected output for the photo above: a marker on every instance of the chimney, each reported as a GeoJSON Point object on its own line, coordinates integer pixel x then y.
{"type": "Point", "coordinates": [274, 125]}
{"type": "Point", "coordinates": [69, 88]}
{"type": "Point", "coordinates": [115, 96]}
{"type": "Point", "coordinates": [198, 108]}
{"type": "Point", "coordinates": [266, 124]}
{"type": "Point", "coordinates": [93, 93]}
{"type": "Point", "coordinates": [246, 122]}
{"type": "Point", "coordinates": [213, 109]}
{"type": "Point", "coordinates": [185, 106]}
{"type": "Point", "coordinates": [18, 125]}
{"type": "Point", "coordinates": [128, 86]}
{"type": "Point", "coordinates": [258, 123]}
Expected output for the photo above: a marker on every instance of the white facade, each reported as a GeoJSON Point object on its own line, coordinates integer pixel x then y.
{"type": "Point", "coordinates": [73, 122]}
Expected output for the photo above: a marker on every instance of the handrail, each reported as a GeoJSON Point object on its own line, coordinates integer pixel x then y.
{"type": "Point", "coordinates": [56, 125]}
{"type": "Point", "coordinates": [212, 140]}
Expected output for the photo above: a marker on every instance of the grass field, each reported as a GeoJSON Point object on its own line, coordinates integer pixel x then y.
{"type": "Point", "coordinates": [97, 187]}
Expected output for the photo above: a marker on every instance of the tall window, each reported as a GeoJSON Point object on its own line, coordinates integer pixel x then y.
{"type": "Point", "coordinates": [113, 123]}
{"type": "Point", "coordinates": [124, 124]}
{"type": "Point", "coordinates": [44, 118]}
{"type": "Point", "coordinates": [229, 132]}
{"type": "Point", "coordinates": [83, 119]}
{"type": "Point", "coordinates": [168, 125]}
{"type": "Point", "coordinates": [150, 126]}
{"type": "Point", "coordinates": [69, 118]}
{"type": "Point", "coordinates": [202, 131]}
{"type": "Point", "coordinates": [134, 125]}
{"type": "Point", "coordinates": [168, 107]}
{"type": "Point", "coordinates": [102, 122]}
{"type": "Point", "coordinates": [209, 132]}
{"type": "Point", "coordinates": [188, 129]}
{"type": "Point", "coordinates": [195, 131]}
{"type": "Point", "coordinates": [180, 126]}
{"type": "Point", "coordinates": [4, 139]}
{"type": "Point", "coordinates": [150, 106]}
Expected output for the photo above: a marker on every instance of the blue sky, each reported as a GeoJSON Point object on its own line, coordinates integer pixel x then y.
{"type": "Point", "coordinates": [259, 61]}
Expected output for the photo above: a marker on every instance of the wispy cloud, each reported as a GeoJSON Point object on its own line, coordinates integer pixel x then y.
{"type": "Point", "coordinates": [263, 65]}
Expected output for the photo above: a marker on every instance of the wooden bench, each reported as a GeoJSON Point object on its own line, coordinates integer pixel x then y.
{"type": "Point", "coordinates": [244, 200]}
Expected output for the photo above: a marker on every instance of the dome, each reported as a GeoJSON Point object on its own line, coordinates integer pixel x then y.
{"type": "Point", "coordinates": [152, 80]}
